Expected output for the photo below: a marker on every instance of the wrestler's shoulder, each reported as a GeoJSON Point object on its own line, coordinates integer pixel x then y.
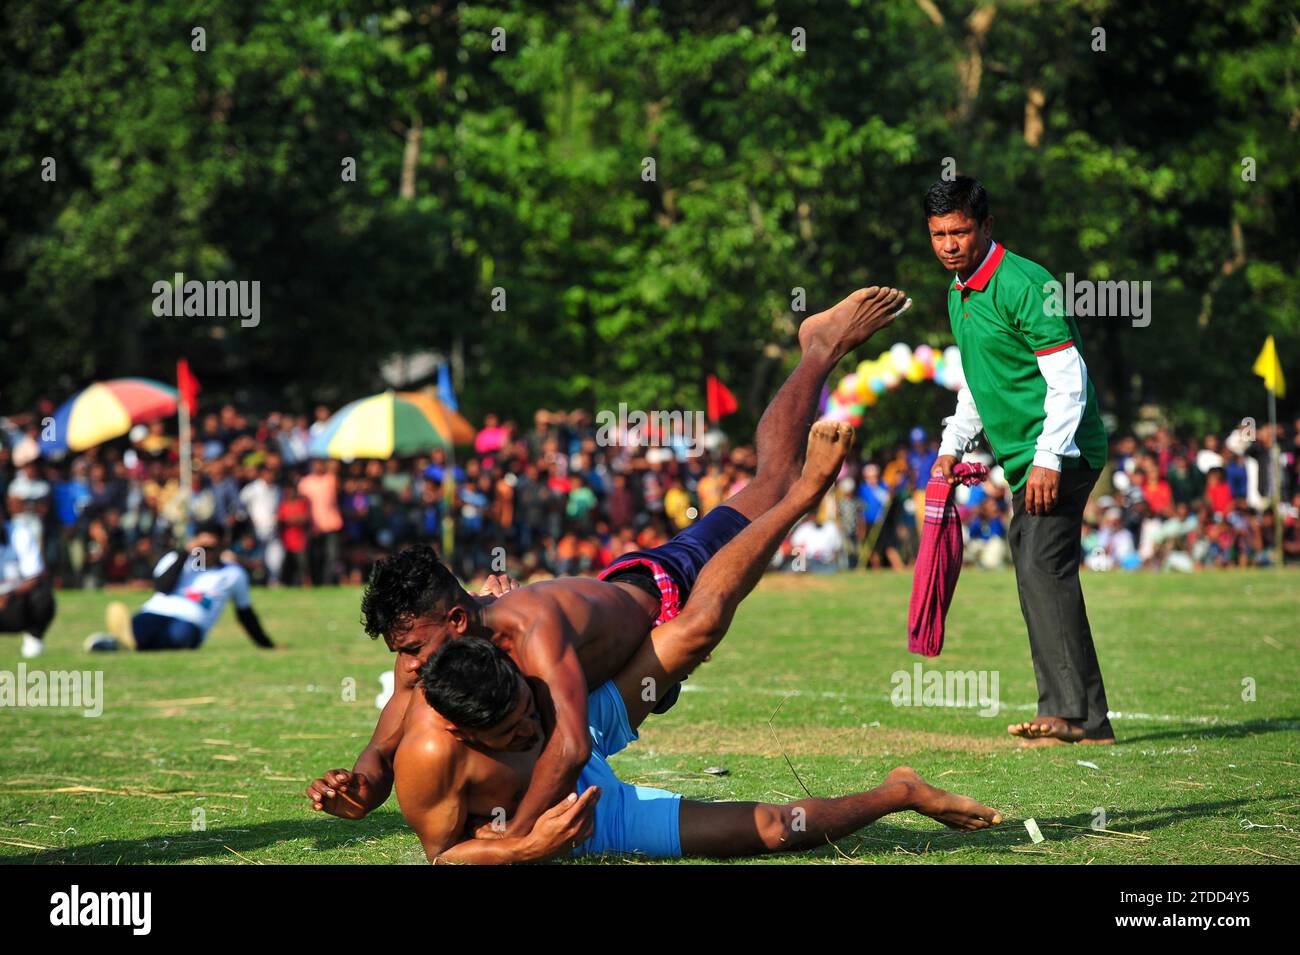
{"type": "Point", "coordinates": [423, 735]}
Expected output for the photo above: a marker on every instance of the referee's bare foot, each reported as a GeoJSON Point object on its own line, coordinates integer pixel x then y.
{"type": "Point", "coordinates": [1048, 727]}
{"type": "Point", "coordinates": [845, 326]}
{"type": "Point", "coordinates": [1051, 731]}
{"type": "Point", "coordinates": [953, 810]}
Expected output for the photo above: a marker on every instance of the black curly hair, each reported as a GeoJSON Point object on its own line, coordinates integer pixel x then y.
{"type": "Point", "coordinates": [405, 587]}
{"type": "Point", "coordinates": [472, 682]}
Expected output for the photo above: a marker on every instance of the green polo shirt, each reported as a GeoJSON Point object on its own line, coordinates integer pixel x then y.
{"type": "Point", "coordinates": [1002, 325]}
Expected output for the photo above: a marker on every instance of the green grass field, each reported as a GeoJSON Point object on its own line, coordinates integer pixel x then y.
{"type": "Point", "coordinates": [1199, 775]}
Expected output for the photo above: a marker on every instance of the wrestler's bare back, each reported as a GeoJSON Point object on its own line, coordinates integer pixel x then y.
{"type": "Point", "coordinates": [605, 622]}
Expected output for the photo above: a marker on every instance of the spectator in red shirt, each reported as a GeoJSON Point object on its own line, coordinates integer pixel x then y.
{"type": "Point", "coordinates": [1159, 495]}
{"type": "Point", "coordinates": [1218, 492]}
{"type": "Point", "coordinates": [294, 515]}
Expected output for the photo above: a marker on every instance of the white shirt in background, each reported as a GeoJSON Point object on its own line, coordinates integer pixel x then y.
{"type": "Point", "coordinates": [262, 502]}
{"type": "Point", "coordinates": [21, 558]}
{"type": "Point", "coordinates": [200, 595]}
{"type": "Point", "coordinates": [818, 542]}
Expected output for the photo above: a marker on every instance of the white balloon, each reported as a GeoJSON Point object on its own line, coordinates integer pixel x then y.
{"type": "Point", "coordinates": [901, 356]}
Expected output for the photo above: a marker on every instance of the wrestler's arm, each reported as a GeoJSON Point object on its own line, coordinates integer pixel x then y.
{"type": "Point", "coordinates": [557, 832]}
{"type": "Point", "coordinates": [547, 654]}
{"type": "Point", "coordinates": [354, 794]}
{"type": "Point", "coordinates": [432, 792]}
{"type": "Point", "coordinates": [434, 795]}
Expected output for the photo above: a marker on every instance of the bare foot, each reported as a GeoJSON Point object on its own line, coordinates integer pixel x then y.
{"type": "Point", "coordinates": [953, 810]}
{"type": "Point", "coordinates": [828, 443]}
{"type": "Point", "coordinates": [845, 326]}
{"type": "Point", "coordinates": [1048, 727]}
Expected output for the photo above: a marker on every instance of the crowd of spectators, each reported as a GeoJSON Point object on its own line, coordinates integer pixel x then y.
{"type": "Point", "coordinates": [549, 499]}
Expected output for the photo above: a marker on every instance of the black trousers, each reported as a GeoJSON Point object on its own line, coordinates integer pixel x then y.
{"type": "Point", "coordinates": [1046, 550]}
{"type": "Point", "coordinates": [31, 612]}
{"type": "Point", "coordinates": [323, 558]}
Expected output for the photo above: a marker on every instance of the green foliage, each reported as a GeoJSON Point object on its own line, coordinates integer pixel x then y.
{"type": "Point", "coordinates": [774, 169]}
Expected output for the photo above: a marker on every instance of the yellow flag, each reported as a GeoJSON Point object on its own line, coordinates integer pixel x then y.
{"type": "Point", "coordinates": [1269, 368]}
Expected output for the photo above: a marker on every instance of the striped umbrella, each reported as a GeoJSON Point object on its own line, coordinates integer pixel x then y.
{"type": "Point", "coordinates": [107, 410]}
{"type": "Point", "coordinates": [392, 424]}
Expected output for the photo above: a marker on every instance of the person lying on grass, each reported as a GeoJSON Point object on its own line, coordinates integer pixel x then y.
{"type": "Point", "coordinates": [191, 587]}
{"type": "Point", "coordinates": [473, 736]}
{"type": "Point", "coordinates": [576, 633]}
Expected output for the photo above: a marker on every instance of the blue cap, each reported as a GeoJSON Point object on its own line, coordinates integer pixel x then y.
{"type": "Point", "coordinates": [918, 435]}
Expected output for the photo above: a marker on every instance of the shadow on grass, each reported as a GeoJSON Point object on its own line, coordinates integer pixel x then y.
{"type": "Point", "coordinates": [1217, 730]}
{"type": "Point", "coordinates": [877, 840]}
{"type": "Point", "coordinates": [323, 833]}
{"type": "Point", "coordinates": [882, 838]}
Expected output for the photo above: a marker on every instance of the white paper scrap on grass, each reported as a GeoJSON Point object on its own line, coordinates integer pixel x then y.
{"type": "Point", "coordinates": [1032, 827]}
{"type": "Point", "coordinates": [1084, 762]}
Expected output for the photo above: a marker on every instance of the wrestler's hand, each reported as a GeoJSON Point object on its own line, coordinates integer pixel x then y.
{"type": "Point", "coordinates": [340, 793]}
{"type": "Point", "coordinates": [498, 585]}
{"type": "Point", "coordinates": [944, 465]}
{"type": "Point", "coordinates": [564, 826]}
{"type": "Point", "coordinates": [1041, 490]}
{"type": "Point", "coordinates": [493, 829]}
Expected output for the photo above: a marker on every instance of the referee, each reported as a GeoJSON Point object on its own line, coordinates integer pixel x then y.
{"type": "Point", "coordinates": [1027, 389]}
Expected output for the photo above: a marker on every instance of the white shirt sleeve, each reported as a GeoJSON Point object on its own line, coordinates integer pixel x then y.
{"type": "Point", "coordinates": [962, 427]}
{"type": "Point", "coordinates": [1067, 397]}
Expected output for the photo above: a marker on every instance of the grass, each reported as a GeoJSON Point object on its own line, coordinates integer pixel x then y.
{"type": "Point", "coordinates": [231, 735]}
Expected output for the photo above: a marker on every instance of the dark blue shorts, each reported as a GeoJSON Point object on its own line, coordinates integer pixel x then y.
{"type": "Point", "coordinates": [155, 632]}
{"type": "Point", "coordinates": [685, 555]}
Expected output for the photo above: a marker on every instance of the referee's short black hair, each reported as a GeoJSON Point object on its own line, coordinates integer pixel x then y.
{"type": "Point", "coordinates": [963, 194]}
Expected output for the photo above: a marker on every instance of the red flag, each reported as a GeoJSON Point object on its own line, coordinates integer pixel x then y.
{"type": "Point", "coordinates": [721, 401]}
{"type": "Point", "coordinates": [187, 385]}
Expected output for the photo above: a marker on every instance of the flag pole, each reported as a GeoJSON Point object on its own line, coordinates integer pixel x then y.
{"type": "Point", "coordinates": [187, 463]}
{"type": "Point", "coordinates": [1275, 462]}
{"type": "Point", "coordinates": [449, 502]}
{"type": "Point", "coordinates": [1269, 367]}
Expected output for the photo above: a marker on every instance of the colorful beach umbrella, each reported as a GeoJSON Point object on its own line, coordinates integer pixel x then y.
{"type": "Point", "coordinates": [106, 410]}
{"type": "Point", "coordinates": [451, 424]}
{"type": "Point", "coordinates": [392, 424]}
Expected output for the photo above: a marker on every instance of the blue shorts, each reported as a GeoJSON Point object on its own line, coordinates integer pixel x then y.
{"type": "Point", "coordinates": [153, 631]}
{"type": "Point", "coordinates": [630, 820]}
{"type": "Point", "coordinates": [683, 557]}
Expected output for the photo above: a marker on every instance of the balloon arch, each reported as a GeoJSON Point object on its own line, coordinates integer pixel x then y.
{"type": "Point", "coordinates": [860, 389]}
